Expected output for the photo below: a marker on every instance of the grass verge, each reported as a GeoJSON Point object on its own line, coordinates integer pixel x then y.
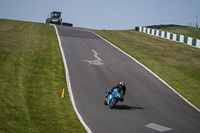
{"type": "Point", "coordinates": [176, 63]}
{"type": "Point", "coordinates": [183, 30]}
{"type": "Point", "coordinates": [32, 77]}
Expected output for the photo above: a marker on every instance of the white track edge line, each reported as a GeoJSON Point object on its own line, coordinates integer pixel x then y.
{"type": "Point", "coordinates": [149, 71]}
{"type": "Point", "coordinates": [69, 83]}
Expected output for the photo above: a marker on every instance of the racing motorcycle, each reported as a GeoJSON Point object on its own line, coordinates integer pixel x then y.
{"type": "Point", "coordinates": [113, 98]}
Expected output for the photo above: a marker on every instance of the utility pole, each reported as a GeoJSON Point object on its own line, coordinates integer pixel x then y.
{"type": "Point", "coordinates": [197, 28]}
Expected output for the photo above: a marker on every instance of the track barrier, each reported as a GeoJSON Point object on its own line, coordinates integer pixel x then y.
{"type": "Point", "coordinates": [171, 36]}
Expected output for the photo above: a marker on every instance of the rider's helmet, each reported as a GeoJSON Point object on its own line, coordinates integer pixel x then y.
{"type": "Point", "coordinates": [121, 84]}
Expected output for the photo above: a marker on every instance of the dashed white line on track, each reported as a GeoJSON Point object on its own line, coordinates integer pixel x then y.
{"type": "Point", "coordinates": [158, 127]}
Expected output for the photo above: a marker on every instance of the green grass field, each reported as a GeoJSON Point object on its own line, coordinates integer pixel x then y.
{"type": "Point", "coordinates": [176, 63]}
{"type": "Point", "coordinates": [32, 77]}
{"type": "Point", "coordinates": [183, 30]}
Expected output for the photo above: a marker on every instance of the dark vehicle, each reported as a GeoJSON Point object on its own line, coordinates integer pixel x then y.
{"type": "Point", "coordinates": [55, 18]}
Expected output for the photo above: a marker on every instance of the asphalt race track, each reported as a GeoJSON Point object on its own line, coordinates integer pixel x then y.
{"type": "Point", "coordinates": [149, 107]}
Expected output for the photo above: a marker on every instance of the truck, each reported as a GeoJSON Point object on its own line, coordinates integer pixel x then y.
{"type": "Point", "coordinates": [55, 18]}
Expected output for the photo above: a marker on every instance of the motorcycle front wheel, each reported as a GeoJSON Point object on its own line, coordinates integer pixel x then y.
{"type": "Point", "coordinates": [112, 103]}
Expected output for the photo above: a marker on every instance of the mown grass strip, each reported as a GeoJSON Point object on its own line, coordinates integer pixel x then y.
{"type": "Point", "coordinates": [175, 63]}
{"type": "Point", "coordinates": [32, 78]}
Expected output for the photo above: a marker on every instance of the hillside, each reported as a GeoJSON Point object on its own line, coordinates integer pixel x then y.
{"type": "Point", "coordinates": [32, 77]}
{"type": "Point", "coordinates": [183, 30]}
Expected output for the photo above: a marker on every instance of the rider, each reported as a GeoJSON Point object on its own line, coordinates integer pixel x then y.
{"type": "Point", "coordinates": [120, 86]}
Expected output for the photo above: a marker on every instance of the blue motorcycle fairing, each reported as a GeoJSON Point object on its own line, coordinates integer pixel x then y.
{"type": "Point", "coordinates": [115, 94]}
